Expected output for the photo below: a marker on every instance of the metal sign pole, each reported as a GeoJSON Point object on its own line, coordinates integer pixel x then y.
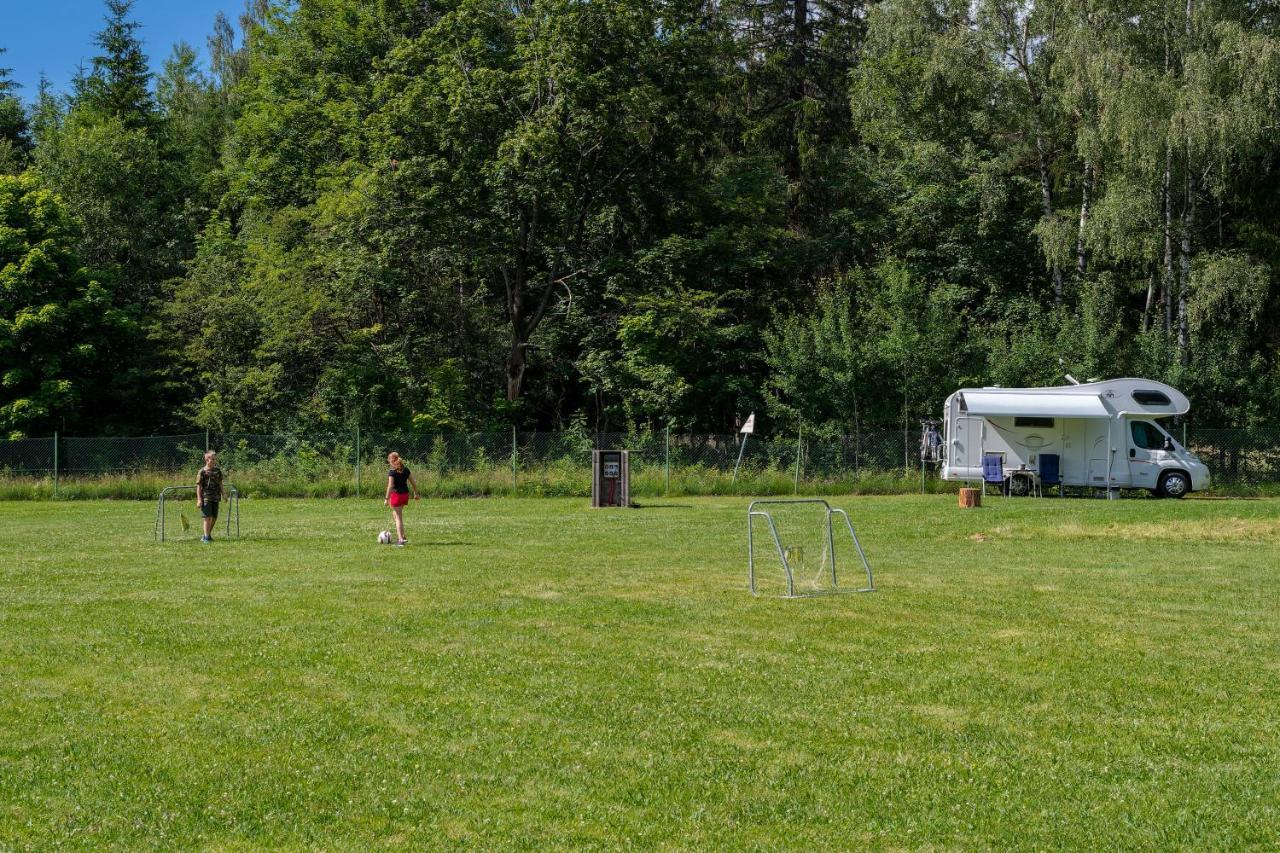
{"type": "Point", "coordinates": [747, 429]}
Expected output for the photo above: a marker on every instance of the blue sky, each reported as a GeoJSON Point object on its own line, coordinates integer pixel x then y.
{"type": "Point", "coordinates": [54, 36]}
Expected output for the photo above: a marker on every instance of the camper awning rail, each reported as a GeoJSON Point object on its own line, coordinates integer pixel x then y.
{"type": "Point", "coordinates": [1034, 405]}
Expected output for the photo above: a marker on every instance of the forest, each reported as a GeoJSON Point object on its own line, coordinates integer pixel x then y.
{"type": "Point", "coordinates": [627, 215]}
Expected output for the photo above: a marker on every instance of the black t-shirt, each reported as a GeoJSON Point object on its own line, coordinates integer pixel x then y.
{"type": "Point", "coordinates": [399, 480]}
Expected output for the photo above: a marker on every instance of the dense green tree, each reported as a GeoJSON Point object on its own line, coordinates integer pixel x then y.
{"type": "Point", "coordinates": [285, 255]}
{"type": "Point", "coordinates": [110, 159]}
{"type": "Point", "coordinates": [125, 194]}
{"type": "Point", "coordinates": [60, 337]}
{"type": "Point", "coordinates": [537, 138]}
{"type": "Point", "coordinates": [468, 214]}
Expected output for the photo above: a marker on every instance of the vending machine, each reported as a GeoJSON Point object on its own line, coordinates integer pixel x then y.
{"type": "Point", "coordinates": [610, 478]}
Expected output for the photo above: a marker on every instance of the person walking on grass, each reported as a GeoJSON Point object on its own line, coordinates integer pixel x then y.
{"type": "Point", "coordinates": [209, 493]}
{"type": "Point", "coordinates": [399, 481]}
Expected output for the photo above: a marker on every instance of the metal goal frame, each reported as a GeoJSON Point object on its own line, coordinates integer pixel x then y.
{"type": "Point", "coordinates": [753, 513]}
{"type": "Point", "coordinates": [233, 508]}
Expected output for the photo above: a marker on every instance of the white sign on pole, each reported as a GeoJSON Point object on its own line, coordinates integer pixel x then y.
{"type": "Point", "coordinates": [747, 429]}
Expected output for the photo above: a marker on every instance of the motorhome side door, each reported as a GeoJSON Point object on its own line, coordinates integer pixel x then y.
{"type": "Point", "coordinates": [966, 444]}
{"type": "Point", "coordinates": [1145, 443]}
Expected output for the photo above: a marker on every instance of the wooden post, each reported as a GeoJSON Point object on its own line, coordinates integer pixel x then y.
{"type": "Point", "coordinates": [970, 498]}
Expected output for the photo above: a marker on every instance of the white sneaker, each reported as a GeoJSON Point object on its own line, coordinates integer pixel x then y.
{"type": "Point", "coordinates": [402, 543]}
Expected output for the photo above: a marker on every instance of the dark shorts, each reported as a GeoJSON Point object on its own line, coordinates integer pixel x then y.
{"type": "Point", "coordinates": [209, 509]}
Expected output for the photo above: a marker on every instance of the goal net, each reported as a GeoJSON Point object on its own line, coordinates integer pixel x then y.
{"type": "Point", "coordinates": [800, 548]}
{"type": "Point", "coordinates": [178, 518]}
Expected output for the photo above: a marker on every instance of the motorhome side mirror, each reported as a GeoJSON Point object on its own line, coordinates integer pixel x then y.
{"type": "Point", "coordinates": [1168, 444]}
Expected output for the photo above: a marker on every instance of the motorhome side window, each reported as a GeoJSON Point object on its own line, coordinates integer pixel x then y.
{"type": "Point", "coordinates": [1146, 436]}
{"type": "Point", "coordinates": [1151, 398]}
{"type": "Point", "coordinates": [1038, 423]}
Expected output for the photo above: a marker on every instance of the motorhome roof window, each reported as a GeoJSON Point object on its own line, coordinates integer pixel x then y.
{"type": "Point", "coordinates": [1038, 423]}
{"type": "Point", "coordinates": [1151, 398]}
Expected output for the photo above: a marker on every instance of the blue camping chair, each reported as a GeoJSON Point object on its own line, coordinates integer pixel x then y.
{"type": "Point", "coordinates": [1051, 471]}
{"type": "Point", "coordinates": [993, 473]}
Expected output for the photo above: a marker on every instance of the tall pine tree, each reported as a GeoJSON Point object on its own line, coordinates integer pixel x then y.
{"type": "Point", "coordinates": [119, 84]}
{"type": "Point", "coordinates": [15, 134]}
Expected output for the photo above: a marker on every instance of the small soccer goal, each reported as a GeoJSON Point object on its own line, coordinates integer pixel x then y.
{"type": "Point", "coordinates": [801, 535]}
{"type": "Point", "coordinates": [184, 522]}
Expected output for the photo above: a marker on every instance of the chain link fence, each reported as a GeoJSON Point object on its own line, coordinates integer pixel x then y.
{"type": "Point", "coordinates": [534, 463]}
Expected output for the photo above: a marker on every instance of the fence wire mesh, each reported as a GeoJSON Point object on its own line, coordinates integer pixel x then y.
{"type": "Point", "coordinates": [1236, 457]}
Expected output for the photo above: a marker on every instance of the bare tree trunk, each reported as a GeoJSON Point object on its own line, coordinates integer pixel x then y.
{"type": "Point", "coordinates": [1020, 36]}
{"type": "Point", "coordinates": [1184, 279]}
{"type": "Point", "coordinates": [515, 368]}
{"type": "Point", "coordinates": [1188, 226]}
{"type": "Point", "coordinates": [1151, 295]}
{"type": "Point", "coordinates": [798, 63]}
{"type": "Point", "coordinates": [1166, 282]}
{"type": "Point", "coordinates": [1085, 186]}
{"type": "Point", "coordinates": [1046, 205]}
{"type": "Point", "coordinates": [1167, 285]}
{"type": "Point", "coordinates": [516, 280]}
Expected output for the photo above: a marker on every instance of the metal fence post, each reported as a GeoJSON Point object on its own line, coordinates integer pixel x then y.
{"type": "Point", "coordinates": [357, 460]}
{"type": "Point", "coordinates": [799, 454]}
{"type": "Point", "coordinates": [55, 463]}
{"type": "Point", "coordinates": [206, 441]}
{"type": "Point", "coordinates": [667, 462]}
{"type": "Point", "coordinates": [513, 458]}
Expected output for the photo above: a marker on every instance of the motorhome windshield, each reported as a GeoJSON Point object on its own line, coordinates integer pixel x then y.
{"type": "Point", "coordinates": [1146, 435]}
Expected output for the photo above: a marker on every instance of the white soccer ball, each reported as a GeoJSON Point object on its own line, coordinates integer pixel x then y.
{"type": "Point", "coordinates": [384, 538]}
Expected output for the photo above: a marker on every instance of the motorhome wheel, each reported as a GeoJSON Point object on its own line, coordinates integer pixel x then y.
{"type": "Point", "coordinates": [1175, 484]}
{"type": "Point", "coordinates": [1019, 486]}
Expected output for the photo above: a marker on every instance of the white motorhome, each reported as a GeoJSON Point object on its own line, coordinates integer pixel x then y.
{"type": "Point", "coordinates": [1106, 435]}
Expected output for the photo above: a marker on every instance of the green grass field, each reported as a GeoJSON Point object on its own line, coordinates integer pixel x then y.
{"type": "Point", "coordinates": [531, 673]}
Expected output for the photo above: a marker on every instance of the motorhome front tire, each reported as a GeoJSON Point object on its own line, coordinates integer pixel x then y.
{"type": "Point", "coordinates": [1174, 484]}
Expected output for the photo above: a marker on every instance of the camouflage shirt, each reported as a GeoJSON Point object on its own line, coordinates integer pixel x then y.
{"type": "Point", "coordinates": [210, 482]}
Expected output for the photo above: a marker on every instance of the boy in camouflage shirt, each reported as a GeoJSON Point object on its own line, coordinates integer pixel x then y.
{"type": "Point", "coordinates": [209, 493]}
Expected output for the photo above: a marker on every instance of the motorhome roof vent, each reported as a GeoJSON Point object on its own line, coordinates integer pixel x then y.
{"type": "Point", "coordinates": [1151, 398]}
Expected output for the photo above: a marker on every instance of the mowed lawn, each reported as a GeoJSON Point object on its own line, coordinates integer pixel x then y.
{"type": "Point", "coordinates": [532, 673]}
